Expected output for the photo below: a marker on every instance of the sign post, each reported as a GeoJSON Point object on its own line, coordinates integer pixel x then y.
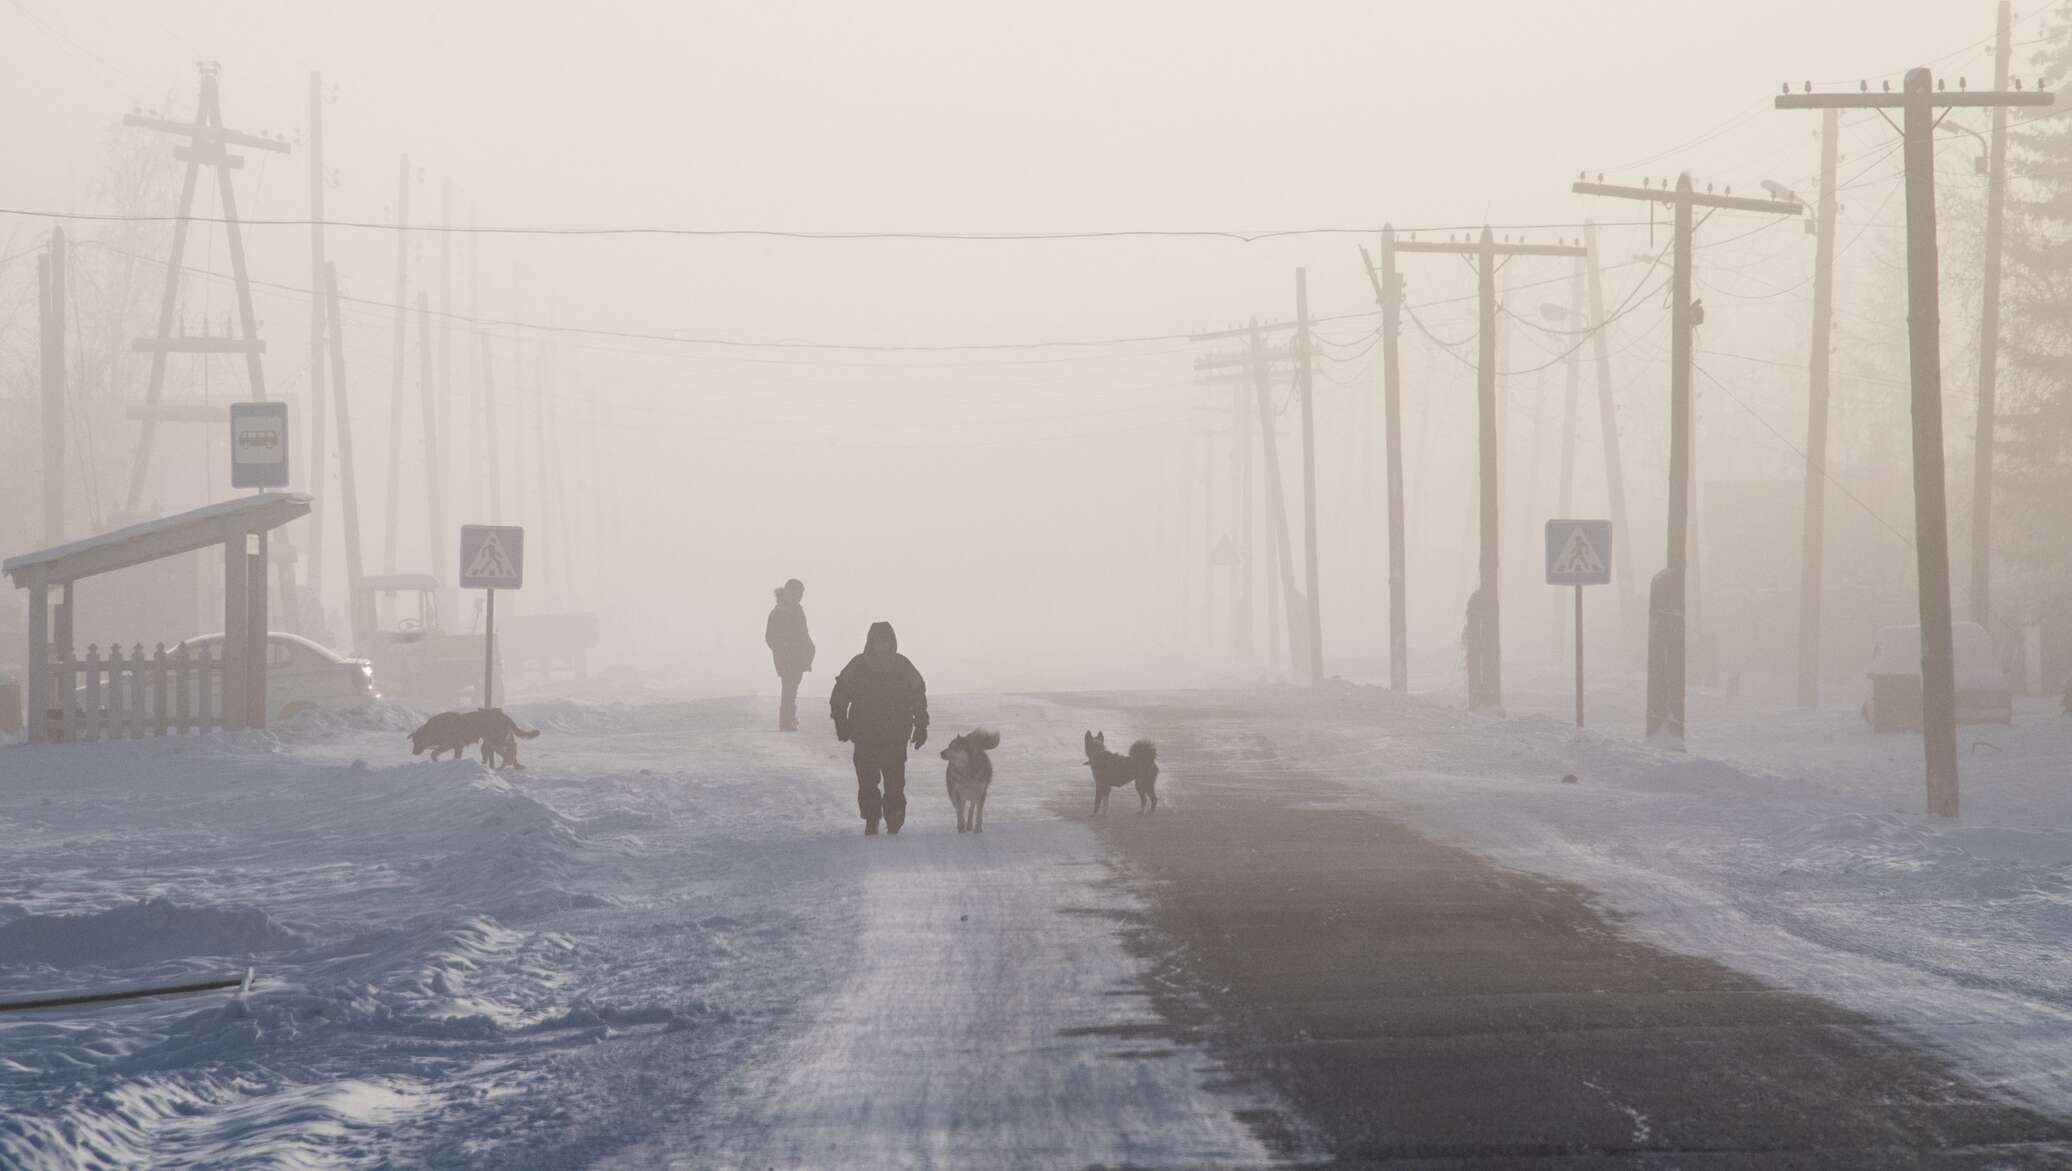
{"type": "Point", "coordinates": [1579, 553]}
{"type": "Point", "coordinates": [492, 557]}
{"type": "Point", "coordinates": [259, 445]}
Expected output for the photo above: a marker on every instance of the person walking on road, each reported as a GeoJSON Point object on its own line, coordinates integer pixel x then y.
{"type": "Point", "coordinates": [791, 647]}
{"type": "Point", "coordinates": [880, 704]}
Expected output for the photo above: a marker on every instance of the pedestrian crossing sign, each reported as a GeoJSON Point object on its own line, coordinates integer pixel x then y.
{"type": "Point", "coordinates": [1579, 552]}
{"type": "Point", "coordinates": [492, 557]}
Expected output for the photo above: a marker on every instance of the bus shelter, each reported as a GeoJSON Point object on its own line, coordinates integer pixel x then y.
{"type": "Point", "coordinates": [73, 696]}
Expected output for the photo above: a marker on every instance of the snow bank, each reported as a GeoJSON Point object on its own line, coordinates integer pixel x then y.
{"type": "Point", "coordinates": [140, 933]}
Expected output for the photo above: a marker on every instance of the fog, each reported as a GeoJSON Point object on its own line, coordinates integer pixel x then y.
{"type": "Point", "coordinates": [1003, 446]}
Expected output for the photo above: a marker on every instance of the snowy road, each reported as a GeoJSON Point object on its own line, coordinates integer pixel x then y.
{"type": "Point", "coordinates": [664, 942]}
{"type": "Point", "coordinates": [667, 944]}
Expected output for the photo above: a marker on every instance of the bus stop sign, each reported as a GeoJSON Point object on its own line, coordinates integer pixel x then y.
{"type": "Point", "coordinates": [259, 445]}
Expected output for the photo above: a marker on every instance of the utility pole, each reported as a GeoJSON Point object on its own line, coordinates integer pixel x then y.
{"type": "Point", "coordinates": [434, 461]}
{"type": "Point", "coordinates": [207, 145]}
{"type": "Point", "coordinates": [1918, 101]}
{"type": "Point", "coordinates": [1388, 294]}
{"type": "Point", "coordinates": [442, 545]}
{"type": "Point", "coordinates": [1484, 642]}
{"type": "Point", "coordinates": [50, 274]}
{"type": "Point", "coordinates": [1306, 388]}
{"type": "Point", "coordinates": [1565, 505]}
{"type": "Point", "coordinates": [1667, 596]}
{"type": "Point", "coordinates": [396, 346]}
{"type": "Point", "coordinates": [1276, 492]}
{"type": "Point", "coordinates": [1812, 550]}
{"type": "Point", "coordinates": [1989, 342]}
{"type": "Point", "coordinates": [1608, 429]}
{"type": "Point", "coordinates": [1241, 524]}
{"type": "Point", "coordinates": [317, 363]}
{"type": "Point", "coordinates": [1281, 595]}
{"type": "Point", "coordinates": [358, 602]}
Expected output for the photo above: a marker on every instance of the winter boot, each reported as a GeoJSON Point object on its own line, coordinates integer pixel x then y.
{"type": "Point", "coordinates": [870, 828]}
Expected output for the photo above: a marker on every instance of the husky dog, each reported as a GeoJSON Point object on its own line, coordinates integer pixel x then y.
{"type": "Point", "coordinates": [969, 774]}
{"type": "Point", "coordinates": [454, 731]}
{"type": "Point", "coordinates": [1112, 770]}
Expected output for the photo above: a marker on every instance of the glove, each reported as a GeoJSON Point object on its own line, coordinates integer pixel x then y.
{"type": "Point", "coordinates": [920, 738]}
{"type": "Point", "coordinates": [842, 732]}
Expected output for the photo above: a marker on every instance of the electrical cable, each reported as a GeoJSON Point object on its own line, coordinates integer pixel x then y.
{"type": "Point", "coordinates": [783, 234]}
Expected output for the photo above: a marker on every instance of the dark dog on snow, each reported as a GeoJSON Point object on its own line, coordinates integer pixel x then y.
{"type": "Point", "coordinates": [1112, 770]}
{"type": "Point", "coordinates": [454, 731]}
{"type": "Point", "coordinates": [969, 775]}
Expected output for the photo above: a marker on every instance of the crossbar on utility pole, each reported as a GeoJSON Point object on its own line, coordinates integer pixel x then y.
{"type": "Point", "coordinates": [1667, 603]}
{"type": "Point", "coordinates": [1484, 643]}
{"type": "Point", "coordinates": [1918, 100]}
{"type": "Point", "coordinates": [207, 140]}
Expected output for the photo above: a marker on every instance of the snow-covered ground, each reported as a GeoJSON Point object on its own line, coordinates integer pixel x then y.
{"type": "Point", "coordinates": [665, 940]}
{"type": "Point", "coordinates": [1792, 845]}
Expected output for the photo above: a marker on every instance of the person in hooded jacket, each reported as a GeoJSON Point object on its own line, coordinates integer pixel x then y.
{"type": "Point", "coordinates": [791, 647]}
{"type": "Point", "coordinates": [880, 704]}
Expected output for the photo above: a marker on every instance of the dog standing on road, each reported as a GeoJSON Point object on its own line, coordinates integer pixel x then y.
{"type": "Point", "coordinates": [1112, 770]}
{"type": "Point", "coordinates": [969, 775]}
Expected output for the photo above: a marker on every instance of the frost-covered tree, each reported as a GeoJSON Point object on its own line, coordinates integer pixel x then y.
{"type": "Point", "coordinates": [2033, 490]}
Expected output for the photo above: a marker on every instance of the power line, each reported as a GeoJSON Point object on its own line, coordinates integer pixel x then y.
{"type": "Point", "coordinates": [783, 234]}
{"type": "Point", "coordinates": [1796, 450]}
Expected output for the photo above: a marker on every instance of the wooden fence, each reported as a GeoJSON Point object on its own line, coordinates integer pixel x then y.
{"type": "Point", "coordinates": [128, 697]}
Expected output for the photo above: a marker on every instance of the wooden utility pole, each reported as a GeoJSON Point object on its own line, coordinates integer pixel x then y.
{"type": "Point", "coordinates": [207, 145]}
{"type": "Point", "coordinates": [317, 311]}
{"type": "Point", "coordinates": [1276, 493]}
{"type": "Point", "coordinates": [50, 282]}
{"type": "Point", "coordinates": [1281, 595]}
{"type": "Point", "coordinates": [1667, 596]}
{"type": "Point", "coordinates": [396, 347]}
{"type": "Point", "coordinates": [442, 545]}
{"type": "Point", "coordinates": [1989, 342]}
{"type": "Point", "coordinates": [1483, 637]}
{"type": "Point", "coordinates": [1306, 388]}
{"type": "Point", "coordinates": [358, 602]}
{"type": "Point", "coordinates": [1241, 524]}
{"type": "Point", "coordinates": [1388, 294]}
{"type": "Point", "coordinates": [434, 452]}
{"type": "Point", "coordinates": [1565, 501]}
{"type": "Point", "coordinates": [1918, 102]}
{"type": "Point", "coordinates": [1812, 549]}
{"type": "Point", "coordinates": [1608, 429]}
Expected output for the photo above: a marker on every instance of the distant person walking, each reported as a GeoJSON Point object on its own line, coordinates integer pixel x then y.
{"type": "Point", "coordinates": [791, 647]}
{"type": "Point", "coordinates": [880, 704]}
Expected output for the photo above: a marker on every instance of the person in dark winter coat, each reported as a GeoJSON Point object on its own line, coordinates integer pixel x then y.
{"type": "Point", "coordinates": [880, 704]}
{"type": "Point", "coordinates": [791, 647]}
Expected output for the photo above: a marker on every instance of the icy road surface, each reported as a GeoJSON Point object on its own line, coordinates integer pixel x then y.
{"type": "Point", "coordinates": [666, 942]}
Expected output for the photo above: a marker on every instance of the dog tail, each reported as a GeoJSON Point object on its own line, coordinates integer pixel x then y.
{"type": "Point", "coordinates": [523, 734]}
{"type": "Point", "coordinates": [983, 739]}
{"type": "Point", "coordinates": [1144, 752]}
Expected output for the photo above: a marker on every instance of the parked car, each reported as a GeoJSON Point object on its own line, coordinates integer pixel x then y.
{"type": "Point", "coordinates": [305, 676]}
{"type": "Point", "coordinates": [1894, 705]}
{"type": "Point", "coordinates": [301, 676]}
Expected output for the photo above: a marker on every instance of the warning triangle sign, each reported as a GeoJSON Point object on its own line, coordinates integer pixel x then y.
{"type": "Point", "coordinates": [490, 561]}
{"type": "Point", "coordinates": [1578, 558]}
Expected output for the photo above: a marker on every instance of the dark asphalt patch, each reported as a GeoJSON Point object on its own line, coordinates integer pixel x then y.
{"type": "Point", "coordinates": [1415, 1006]}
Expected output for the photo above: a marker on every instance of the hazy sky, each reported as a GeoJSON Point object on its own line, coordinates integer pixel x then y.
{"type": "Point", "coordinates": [915, 476]}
